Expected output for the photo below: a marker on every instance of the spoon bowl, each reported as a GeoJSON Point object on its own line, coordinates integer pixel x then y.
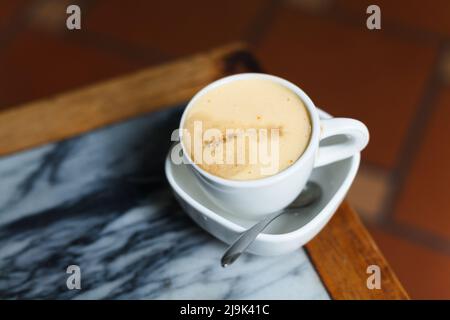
{"type": "Point", "coordinates": [310, 194]}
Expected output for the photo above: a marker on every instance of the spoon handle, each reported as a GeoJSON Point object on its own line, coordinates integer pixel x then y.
{"type": "Point", "coordinates": [246, 238]}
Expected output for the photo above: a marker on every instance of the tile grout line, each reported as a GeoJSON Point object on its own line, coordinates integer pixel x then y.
{"type": "Point", "coordinates": [110, 44]}
{"type": "Point", "coordinates": [88, 38]}
{"type": "Point", "coordinates": [262, 22]}
{"type": "Point", "coordinates": [397, 176]}
{"type": "Point", "coordinates": [411, 147]}
{"type": "Point", "coordinates": [339, 16]}
{"type": "Point", "coordinates": [389, 28]}
{"type": "Point", "coordinates": [103, 42]}
{"type": "Point", "coordinates": [394, 176]}
{"type": "Point", "coordinates": [415, 135]}
{"type": "Point", "coordinates": [414, 235]}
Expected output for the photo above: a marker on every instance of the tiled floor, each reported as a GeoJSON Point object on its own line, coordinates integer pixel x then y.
{"type": "Point", "coordinates": [36, 64]}
{"type": "Point", "coordinates": [430, 175]}
{"type": "Point", "coordinates": [428, 17]}
{"type": "Point", "coordinates": [175, 28]}
{"type": "Point", "coordinates": [397, 80]}
{"type": "Point", "coordinates": [424, 271]}
{"type": "Point", "coordinates": [352, 71]}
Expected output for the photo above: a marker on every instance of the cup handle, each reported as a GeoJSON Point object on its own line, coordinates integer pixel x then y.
{"type": "Point", "coordinates": [357, 138]}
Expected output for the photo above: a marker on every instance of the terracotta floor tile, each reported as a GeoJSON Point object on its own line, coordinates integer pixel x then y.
{"type": "Point", "coordinates": [8, 11]}
{"type": "Point", "coordinates": [432, 16]}
{"type": "Point", "coordinates": [369, 192]}
{"type": "Point", "coordinates": [176, 28]}
{"type": "Point", "coordinates": [312, 6]}
{"type": "Point", "coordinates": [36, 65]}
{"type": "Point", "coordinates": [425, 200]}
{"type": "Point", "coordinates": [423, 272]}
{"type": "Point", "coordinates": [50, 15]}
{"type": "Point", "coordinates": [352, 72]}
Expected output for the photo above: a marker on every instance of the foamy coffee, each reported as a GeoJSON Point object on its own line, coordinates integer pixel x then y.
{"type": "Point", "coordinates": [246, 129]}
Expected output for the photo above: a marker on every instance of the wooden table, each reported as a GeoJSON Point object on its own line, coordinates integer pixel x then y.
{"type": "Point", "coordinates": [341, 253]}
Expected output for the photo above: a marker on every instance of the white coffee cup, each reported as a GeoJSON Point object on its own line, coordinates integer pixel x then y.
{"type": "Point", "coordinates": [256, 198]}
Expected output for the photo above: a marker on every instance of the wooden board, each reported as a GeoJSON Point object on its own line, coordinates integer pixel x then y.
{"type": "Point", "coordinates": [341, 253]}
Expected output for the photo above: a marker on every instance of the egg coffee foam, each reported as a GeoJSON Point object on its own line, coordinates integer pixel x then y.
{"type": "Point", "coordinates": [246, 129]}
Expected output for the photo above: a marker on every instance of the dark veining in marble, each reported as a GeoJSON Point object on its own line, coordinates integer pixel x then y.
{"type": "Point", "coordinates": [101, 201]}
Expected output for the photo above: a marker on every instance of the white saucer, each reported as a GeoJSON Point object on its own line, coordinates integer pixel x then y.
{"type": "Point", "coordinates": [288, 232]}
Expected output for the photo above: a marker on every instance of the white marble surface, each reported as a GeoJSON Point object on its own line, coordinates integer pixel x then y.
{"type": "Point", "coordinates": [100, 201]}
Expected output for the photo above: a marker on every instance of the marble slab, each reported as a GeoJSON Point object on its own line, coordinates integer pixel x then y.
{"type": "Point", "coordinates": [100, 201]}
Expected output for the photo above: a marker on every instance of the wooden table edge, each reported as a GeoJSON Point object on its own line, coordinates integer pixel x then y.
{"type": "Point", "coordinates": [346, 256]}
{"type": "Point", "coordinates": [341, 252]}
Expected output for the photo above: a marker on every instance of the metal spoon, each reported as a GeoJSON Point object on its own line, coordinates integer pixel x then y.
{"type": "Point", "coordinates": [311, 193]}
